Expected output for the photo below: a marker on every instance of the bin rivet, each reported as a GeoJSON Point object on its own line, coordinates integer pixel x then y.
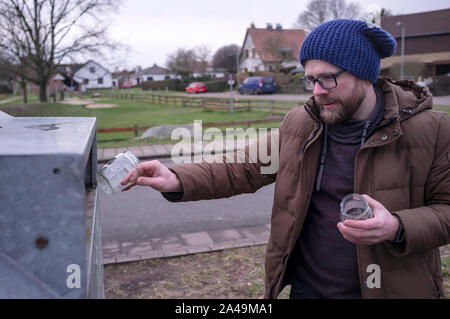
{"type": "Point", "coordinates": [56, 171]}
{"type": "Point", "coordinates": [41, 242]}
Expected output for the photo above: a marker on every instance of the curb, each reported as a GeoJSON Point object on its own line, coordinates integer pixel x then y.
{"type": "Point", "coordinates": [185, 244]}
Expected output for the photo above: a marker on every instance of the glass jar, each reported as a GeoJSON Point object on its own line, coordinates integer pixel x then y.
{"type": "Point", "coordinates": [114, 172]}
{"type": "Point", "coordinates": [355, 206]}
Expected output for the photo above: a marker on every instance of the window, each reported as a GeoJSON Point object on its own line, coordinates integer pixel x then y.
{"type": "Point", "coordinates": [92, 69]}
{"type": "Point", "coordinates": [100, 81]}
{"type": "Point", "coordinates": [85, 81]}
{"type": "Point", "coordinates": [246, 53]}
{"type": "Point", "coordinates": [149, 78]}
{"type": "Point", "coordinates": [254, 53]}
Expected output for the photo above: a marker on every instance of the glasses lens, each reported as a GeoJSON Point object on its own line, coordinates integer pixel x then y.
{"type": "Point", "coordinates": [308, 84]}
{"type": "Point", "coordinates": [328, 82]}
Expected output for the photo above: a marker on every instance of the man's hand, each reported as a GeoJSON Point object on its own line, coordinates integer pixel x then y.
{"type": "Point", "coordinates": [155, 175]}
{"type": "Point", "coordinates": [383, 226]}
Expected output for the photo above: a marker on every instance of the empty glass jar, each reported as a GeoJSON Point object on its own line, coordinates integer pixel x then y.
{"type": "Point", "coordinates": [114, 171]}
{"type": "Point", "coordinates": [355, 206]}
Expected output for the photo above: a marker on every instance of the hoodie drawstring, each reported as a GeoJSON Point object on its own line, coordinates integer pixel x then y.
{"type": "Point", "coordinates": [323, 152]}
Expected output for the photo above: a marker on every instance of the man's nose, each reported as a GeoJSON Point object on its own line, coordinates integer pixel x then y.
{"type": "Point", "coordinates": [318, 90]}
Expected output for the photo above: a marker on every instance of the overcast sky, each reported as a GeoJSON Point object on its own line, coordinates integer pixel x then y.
{"type": "Point", "coordinates": [154, 29]}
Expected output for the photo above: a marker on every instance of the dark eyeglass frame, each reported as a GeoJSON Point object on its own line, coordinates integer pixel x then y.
{"type": "Point", "coordinates": [314, 80]}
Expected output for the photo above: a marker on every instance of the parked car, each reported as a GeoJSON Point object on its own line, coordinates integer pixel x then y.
{"type": "Point", "coordinates": [196, 87]}
{"type": "Point", "coordinates": [257, 85]}
{"type": "Point", "coordinates": [126, 85]}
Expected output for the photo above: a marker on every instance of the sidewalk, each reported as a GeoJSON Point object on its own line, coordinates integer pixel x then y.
{"type": "Point", "coordinates": [184, 244]}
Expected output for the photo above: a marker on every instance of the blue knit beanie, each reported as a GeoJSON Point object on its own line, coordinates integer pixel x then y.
{"type": "Point", "coordinates": [350, 44]}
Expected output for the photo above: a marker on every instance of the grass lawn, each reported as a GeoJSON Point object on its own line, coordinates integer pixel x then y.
{"type": "Point", "coordinates": [130, 113]}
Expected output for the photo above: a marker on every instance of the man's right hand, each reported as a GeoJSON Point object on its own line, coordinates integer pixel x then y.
{"type": "Point", "coordinates": [155, 175]}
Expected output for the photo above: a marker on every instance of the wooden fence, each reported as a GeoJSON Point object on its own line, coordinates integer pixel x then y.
{"type": "Point", "coordinates": [211, 103]}
{"type": "Point", "coordinates": [136, 129]}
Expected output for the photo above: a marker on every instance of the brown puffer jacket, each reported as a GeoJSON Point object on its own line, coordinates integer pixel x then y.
{"type": "Point", "coordinates": [405, 165]}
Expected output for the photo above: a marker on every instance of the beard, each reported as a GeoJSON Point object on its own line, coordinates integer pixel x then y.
{"type": "Point", "coordinates": [344, 108]}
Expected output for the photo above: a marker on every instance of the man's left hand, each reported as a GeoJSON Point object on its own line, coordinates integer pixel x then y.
{"type": "Point", "coordinates": [381, 227]}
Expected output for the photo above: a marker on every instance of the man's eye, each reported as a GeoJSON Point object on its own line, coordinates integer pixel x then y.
{"type": "Point", "coordinates": [327, 77]}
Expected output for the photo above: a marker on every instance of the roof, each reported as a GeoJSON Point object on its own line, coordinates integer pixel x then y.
{"type": "Point", "coordinates": [154, 69]}
{"type": "Point", "coordinates": [291, 38]}
{"type": "Point", "coordinates": [435, 58]}
{"type": "Point", "coordinates": [418, 24]}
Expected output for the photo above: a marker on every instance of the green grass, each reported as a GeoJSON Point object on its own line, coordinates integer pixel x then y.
{"type": "Point", "coordinates": [130, 113]}
{"type": "Point", "coordinates": [444, 108]}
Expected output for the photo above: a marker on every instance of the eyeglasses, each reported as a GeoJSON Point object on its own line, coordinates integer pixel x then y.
{"type": "Point", "coordinates": [327, 82]}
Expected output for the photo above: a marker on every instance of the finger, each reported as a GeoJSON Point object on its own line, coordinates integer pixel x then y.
{"type": "Point", "coordinates": [367, 224]}
{"type": "Point", "coordinates": [373, 203]}
{"type": "Point", "coordinates": [147, 181]}
{"type": "Point", "coordinates": [360, 236]}
{"type": "Point", "coordinates": [128, 187]}
{"type": "Point", "coordinates": [147, 168]}
{"type": "Point", "coordinates": [132, 175]}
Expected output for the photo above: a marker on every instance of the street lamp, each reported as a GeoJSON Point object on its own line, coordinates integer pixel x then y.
{"type": "Point", "coordinates": [402, 63]}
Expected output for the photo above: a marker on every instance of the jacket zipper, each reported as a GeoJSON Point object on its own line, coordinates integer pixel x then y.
{"type": "Point", "coordinates": [366, 135]}
{"type": "Point", "coordinates": [284, 260]}
{"type": "Point", "coordinates": [315, 130]}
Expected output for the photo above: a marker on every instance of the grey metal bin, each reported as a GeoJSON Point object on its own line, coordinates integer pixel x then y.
{"type": "Point", "coordinates": [50, 234]}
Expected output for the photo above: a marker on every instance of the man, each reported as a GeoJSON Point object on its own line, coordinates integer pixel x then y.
{"type": "Point", "coordinates": [356, 134]}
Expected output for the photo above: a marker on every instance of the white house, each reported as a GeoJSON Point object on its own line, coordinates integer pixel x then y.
{"type": "Point", "coordinates": [153, 73]}
{"type": "Point", "coordinates": [270, 48]}
{"type": "Point", "coordinates": [93, 76]}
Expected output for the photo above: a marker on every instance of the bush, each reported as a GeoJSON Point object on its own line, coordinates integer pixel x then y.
{"type": "Point", "coordinates": [171, 84]}
{"type": "Point", "coordinates": [441, 85]}
{"type": "Point", "coordinates": [216, 86]}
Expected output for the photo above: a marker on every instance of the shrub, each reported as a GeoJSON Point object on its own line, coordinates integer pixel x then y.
{"type": "Point", "coordinates": [216, 86]}
{"type": "Point", "coordinates": [171, 84]}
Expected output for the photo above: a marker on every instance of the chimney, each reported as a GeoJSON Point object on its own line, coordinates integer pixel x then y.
{"type": "Point", "coordinates": [269, 26]}
{"type": "Point", "coordinates": [252, 25]}
{"type": "Point", "coordinates": [279, 28]}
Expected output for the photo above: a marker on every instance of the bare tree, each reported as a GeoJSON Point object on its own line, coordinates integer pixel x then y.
{"type": "Point", "coordinates": [320, 11]}
{"type": "Point", "coordinates": [280, 49]}
{"type": "Point", "coordinates": [40, 34]}
{"type": "Point", "coordinates": [226, 57]}
{"type": "Point", "coordinates": [182, 62]}
{"type": "Point", "coordinates": [202, 56]}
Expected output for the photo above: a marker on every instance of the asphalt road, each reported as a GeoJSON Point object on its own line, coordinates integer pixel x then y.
{"type": "Point", "coordinates": [143, 213]}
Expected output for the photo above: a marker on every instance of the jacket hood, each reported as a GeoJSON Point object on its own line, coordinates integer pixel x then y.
{"type": "Point", "coordinates": [402, 99]}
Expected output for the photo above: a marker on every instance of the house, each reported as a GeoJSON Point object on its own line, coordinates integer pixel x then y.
{"type": "Point", "coordinates": [427, 45]}
{"type": "Point", "coordinates": [121, 78]}
{"type": "Point", "coordinates": [153, 73]}
{"type": "Point", "coordinates": [211, 72]}
{"type": "Point", "coordinates": [92, 75]}
{"type": "Point", "coordinates": [270, 49]}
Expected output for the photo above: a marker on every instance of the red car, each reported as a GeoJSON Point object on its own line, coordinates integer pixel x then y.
{"type": "Point", "coordinates": [196, 87]}
{"type": "Point", "coordinates": [126, 85]}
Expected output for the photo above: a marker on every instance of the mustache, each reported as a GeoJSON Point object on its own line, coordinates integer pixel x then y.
{"type": "Point", "coordinates": [322, 102]}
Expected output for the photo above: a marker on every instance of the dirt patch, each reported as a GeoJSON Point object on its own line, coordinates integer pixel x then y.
{"type": "Point", "coordinates": [227, 274]}
{"type": "Point", "coordinates": [100, 106]}
{"type": "Point", "coordinates": [76, 101]}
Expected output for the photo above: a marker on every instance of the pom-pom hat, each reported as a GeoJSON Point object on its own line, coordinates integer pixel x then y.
{"type": "Point", "coordinates": [356, 46]}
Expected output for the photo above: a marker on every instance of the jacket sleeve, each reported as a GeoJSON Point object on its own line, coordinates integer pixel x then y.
{"type": "Point", "coordinates": [428, 227]}
{"type": "Point", "coordinates": [242, 171]}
